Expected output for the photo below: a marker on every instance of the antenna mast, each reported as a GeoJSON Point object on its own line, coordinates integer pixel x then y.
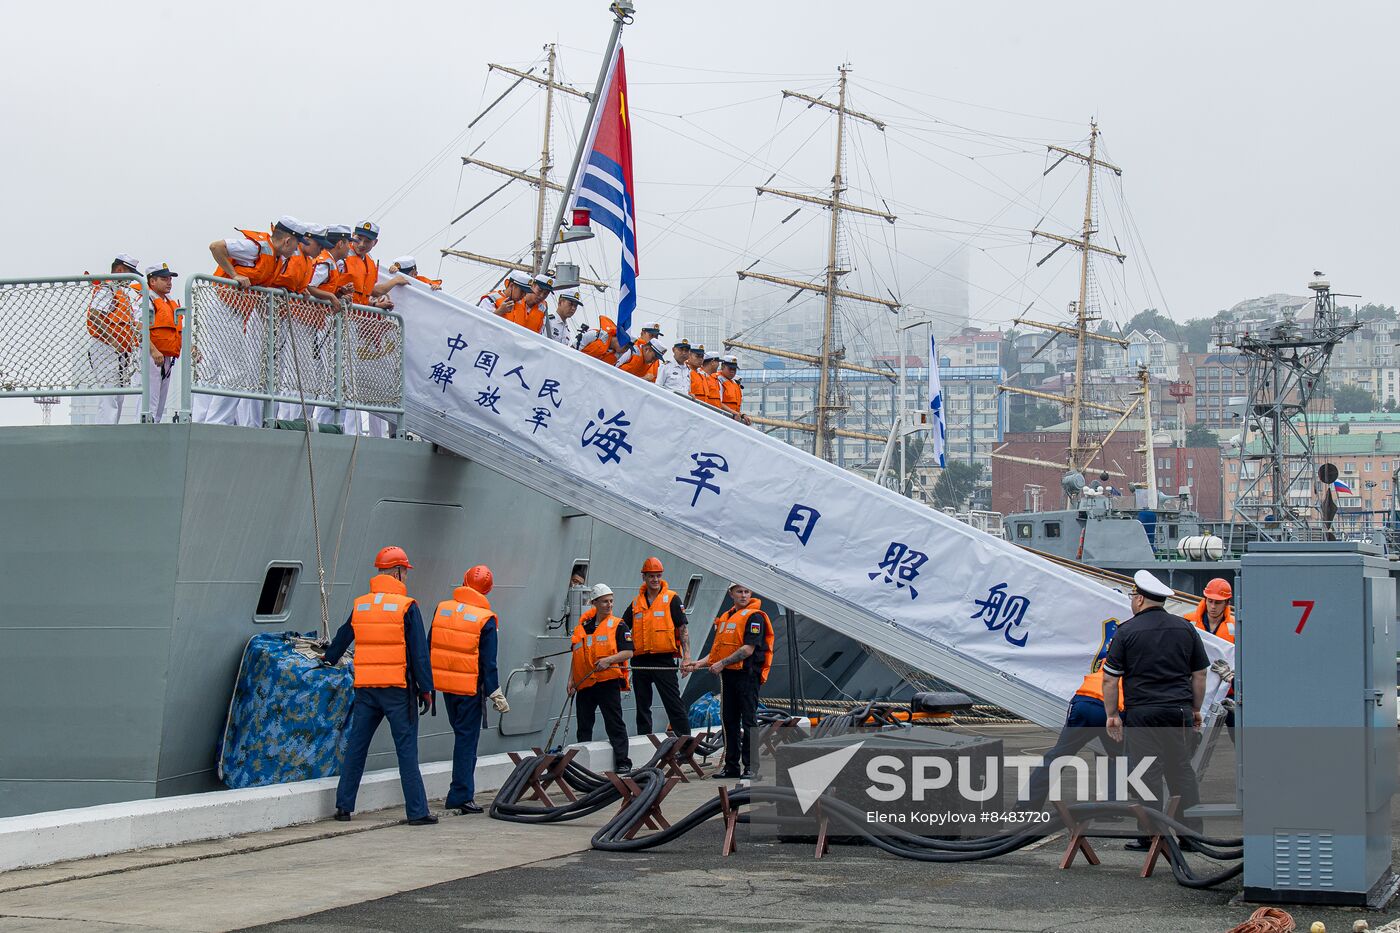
{"type": "Point", "coordinates": [1286, 362]}
{"type": "Point", "coordinates": [831, 359]}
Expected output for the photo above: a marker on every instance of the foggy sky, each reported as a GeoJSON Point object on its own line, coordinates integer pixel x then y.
{"type": "Point", "coordinates": [1258, 139]}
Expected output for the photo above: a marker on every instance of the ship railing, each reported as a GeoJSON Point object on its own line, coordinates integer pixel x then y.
{"type": "Point", "coordinates": [270, 346]}
{"type": "Point", "coordinates": [75, 335]}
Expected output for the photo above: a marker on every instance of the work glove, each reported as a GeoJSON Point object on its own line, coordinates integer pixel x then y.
{"type": "Point", "coordinates": [498, 700]}
{"type": "Point", "coordinates": [424, 701]}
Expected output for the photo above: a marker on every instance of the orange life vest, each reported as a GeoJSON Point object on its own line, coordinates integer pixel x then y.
{"type": "Point", "coordinates": [456, 641]}
{"type": "Point", "coordinates": [712, 394]}
{"type": "Point", "coordinates": [731, 394]}
{"type": "Point", "coordinates": [532, 319]}
{"type": "Point", "coordinates": [295, 273]}
{"type": "Point", "coordinates": [600, 348]}
{"type": "Point", "coordinates": [729, 637]}
{"type": "Point", "coordinates": [697, 384]}
{"type": "Point", "coordinates": [167, 324]}
{"type": "Point", "coordinates": [633, 364]}
{"type": "Point", "coordinates": [436, 283]}
{"type": "Point", "coordinates": [589, 649]}
{"type": "Point", "coordinates": [1093, 686]}
{"type": "Point", "coordinates": [336, 278]}
{"type": "Point", "coordinates": [653, 632]}
{"type": "Point", "coordinates": [1197, 617]}
{"type": "Point", "coordinates": [381, 650]}
{"type": "Point", "coordinates": [116, 326]}
{"type": "Point", "coordinates": [364, 273]}
{"type": "Point", "coordinates": [265, 268]}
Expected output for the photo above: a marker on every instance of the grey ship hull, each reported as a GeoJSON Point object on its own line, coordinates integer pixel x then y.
{"type": "Point", "coordinates": [135, 556]}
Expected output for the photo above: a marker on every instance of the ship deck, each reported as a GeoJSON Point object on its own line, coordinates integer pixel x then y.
{"type": "Point", "coordinates": [476, 873]}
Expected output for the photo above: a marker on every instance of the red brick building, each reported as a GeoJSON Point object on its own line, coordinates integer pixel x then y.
{"type": "Point", "coordinates": [1197, 467]}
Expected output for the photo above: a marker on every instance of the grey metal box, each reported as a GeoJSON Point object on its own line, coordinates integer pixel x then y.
{"type": "Point", "coordinates": [1317, 734]}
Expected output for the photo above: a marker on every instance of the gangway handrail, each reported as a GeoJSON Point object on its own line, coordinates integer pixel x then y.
{"type": "Point", "coordinates": [27, 376]}
{"type": "Point", "coordinates": [278, 305]}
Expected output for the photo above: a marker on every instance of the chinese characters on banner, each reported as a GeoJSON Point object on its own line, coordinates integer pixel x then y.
{"type": "Point", "coordinates": [889, 560]}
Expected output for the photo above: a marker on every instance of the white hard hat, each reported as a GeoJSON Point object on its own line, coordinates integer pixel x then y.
{"type": "Point", "coordinates": [599, 591]}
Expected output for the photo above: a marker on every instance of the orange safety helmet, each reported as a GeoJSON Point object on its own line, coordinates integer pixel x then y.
{"type": "Point", "coordinates": [479, 578]}
{"type": "Point", "coordinates": [652, 565]}
{"type": "Point", "coordinates": [1219, 588]}
{"type": "Point", "coordinates": [392, 557]}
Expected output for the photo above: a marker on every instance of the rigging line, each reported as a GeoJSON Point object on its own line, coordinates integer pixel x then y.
{"type": "Point", "coordinates": [418, 176]}
{"type": "Point", "coordinates": [955, 152]}
{"type": "Point", "coordinates": [965, 103]}
{"type": "Point", "coordinates": [749, 160]}
{"type": "Point", "coordinates": [488, 218]}
{"type": "Point", "coordinates": [966, 178]}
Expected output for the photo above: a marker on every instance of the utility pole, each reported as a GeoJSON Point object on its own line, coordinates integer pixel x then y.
{"type": "Point", "coordinates": [831, 359]}
{"type": "Point", "coordinates": [1077, 455]}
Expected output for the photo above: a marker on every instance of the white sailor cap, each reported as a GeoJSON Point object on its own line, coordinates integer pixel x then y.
{"type": "Point", "coordinates": [368, 230]}
{"type": "Point", "coordinates": [730, 360]}
{"type": "Point", "coordinates": [570, 294]}
{"type": "Point", "coordinates": [406, 262]}
{"type": "Point", "coordinates": [519, 278]}
{"type": "Point", "coordinates": [340, 230]}
{"type": "Point", "coordinates": [711, 354]}
{"type": "Point", "coordinates": [544, 282]}
{"type": "Point", "coordinates": [599, 591]}
{"type": "Point", "coordinates": [291, 225]}
{"type": "Point", "coordinates": [316, 230]}
{"type": "Point", "coordinates": [654, 327]}
{"type": "Point", "coordinates": [1150, 586]}
{"type": "Point", "coordinates": [162, 269]}
{"type": "Point", "coordinates": [128, 260]}
{"type": "Point", "coordinates": [657, 347]}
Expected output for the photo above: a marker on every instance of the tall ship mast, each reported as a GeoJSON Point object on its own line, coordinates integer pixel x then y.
{"type": "Point", "coordinates": [541, 180]}
{"type": "Point", "coordinates": [830, 402]}
{"type": "Point", "coordinates": [1078, 454]}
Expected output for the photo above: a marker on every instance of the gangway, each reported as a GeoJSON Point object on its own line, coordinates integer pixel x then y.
{"type": "Point", "coordinates": [901, 578]}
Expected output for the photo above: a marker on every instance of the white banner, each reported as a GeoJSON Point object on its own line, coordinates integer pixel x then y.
{"type": "Point", "coordinates": [921, 571]}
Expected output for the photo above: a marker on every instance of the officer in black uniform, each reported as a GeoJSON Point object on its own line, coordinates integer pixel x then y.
{"type": "Point", "coordinates": [1162, 664]}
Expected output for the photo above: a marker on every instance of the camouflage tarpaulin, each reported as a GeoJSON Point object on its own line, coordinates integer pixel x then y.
{"type": "Point", "coordinates": [288, 715]}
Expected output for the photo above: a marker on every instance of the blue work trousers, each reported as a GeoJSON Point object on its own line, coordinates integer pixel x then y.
{"type": "Point", "coordinates": [1085, 722]}
{"type": "Point", "coordinates": [371, 705]}
{"type": "Point", "coordinates": [464, 712]}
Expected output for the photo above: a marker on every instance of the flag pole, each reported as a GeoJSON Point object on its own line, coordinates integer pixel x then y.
{"type": "Point", "coordinates": [622, 11]}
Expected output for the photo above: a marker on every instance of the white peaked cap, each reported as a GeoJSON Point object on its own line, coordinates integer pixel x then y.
{"type": "Point", "coordinates": [1148, 585]}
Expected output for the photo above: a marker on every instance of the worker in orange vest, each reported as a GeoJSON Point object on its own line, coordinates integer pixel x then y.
{"type": "Point", "coordinates": [731, 391]}
{"type": "Point", "coordinates": [408, 266]}
{"type": "Point", "coordinates": [503, 301]}
{"type": "Point", "coordinates": [642, 359]}
{"type": "Point", "coordinates": [254, 257]}
{"type": "Point", "coordinates": [741, 656]}
{"type": "Point", "coordinates": [463, 652]}
{"type": "Point", "coordinates": [1085, 722]}
{"type": "Point", "coordinates": [601, 342]}
{"type": "Point", "coordinates": [709, 372]}
{"type": "Point", "coordinates": [696, 362]}
{"type": "Point", "coordinates": [167, 329]}
{"type": "Point", "coordinates": [1214, 613]}
{"type": "Point", "coordinates": [330, 278]}
{"type": "Point", "coordinates": [113, 322]}
{"type": "Point", "coordinates": [601, 645]}
{"type": "Point", "coordinates": [391, 669]}
{"type": "Point", "coordinates": [370, 289]}
{"type": "Point", "coordinates": [660, 639]}
{"type": "Point", "coordinates": [304, 322]}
